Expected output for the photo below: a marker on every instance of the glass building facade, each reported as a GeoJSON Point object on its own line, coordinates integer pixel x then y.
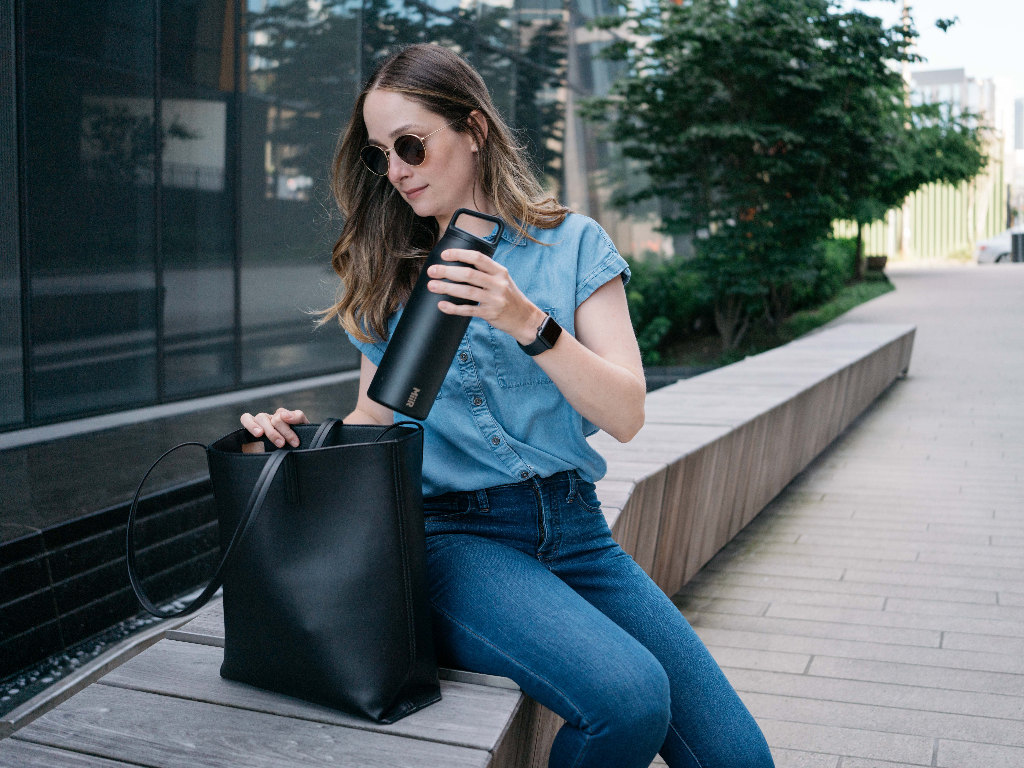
{"type": "Point", "coordinates": [166, 224]}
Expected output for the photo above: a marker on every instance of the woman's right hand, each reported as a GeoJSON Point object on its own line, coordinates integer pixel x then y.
{"type": "Point", "coordinates": [275, 426]}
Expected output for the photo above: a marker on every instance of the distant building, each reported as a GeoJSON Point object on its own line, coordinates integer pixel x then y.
{"type": "Point", "coordinates": [1018, 124]}
{"type": "Point", "coordinates": [968, 94]}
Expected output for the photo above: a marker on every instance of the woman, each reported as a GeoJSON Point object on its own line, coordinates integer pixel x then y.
{"type": "Point", "coordinates": [525, 578]}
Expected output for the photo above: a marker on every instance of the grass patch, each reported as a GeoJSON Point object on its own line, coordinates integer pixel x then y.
{"type": "Point", "coordinates": [849, 297]}
{"type": "Point", "coordinates": [705, 349]}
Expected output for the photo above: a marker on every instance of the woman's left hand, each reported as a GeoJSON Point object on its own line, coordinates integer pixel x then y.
{"type": "Point", "coordinates": [501, 303]}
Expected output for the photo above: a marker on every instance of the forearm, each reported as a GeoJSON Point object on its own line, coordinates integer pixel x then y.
{"type": "Point", "coordinates": [359, 417]}
{"type": "Point", "coordinates": [606, 394]}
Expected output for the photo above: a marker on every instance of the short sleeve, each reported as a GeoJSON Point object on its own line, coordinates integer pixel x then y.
{"type": "Point", "coordinates": [598, 261]}
{"type": "Point", "coordinates": [374, 352]}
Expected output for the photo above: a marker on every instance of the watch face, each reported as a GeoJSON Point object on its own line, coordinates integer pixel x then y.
{"type": "Point", "coordinates": [549, 330]}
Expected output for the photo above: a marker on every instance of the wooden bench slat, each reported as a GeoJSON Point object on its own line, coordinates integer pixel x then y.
{"type": "Point", "coordinates": [15, 753]}
{"type": "Point", "coordinates": [467, 715]}
{"type": "Point", "coordinates": [168, 732]}
{"type": "Point", "coordinates": [207, 628]}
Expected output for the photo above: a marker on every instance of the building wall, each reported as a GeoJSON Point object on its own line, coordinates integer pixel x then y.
{"type": "Point", "coordinates": [940, 220]}
{"type": "Point", "coordinates": [178, 221]}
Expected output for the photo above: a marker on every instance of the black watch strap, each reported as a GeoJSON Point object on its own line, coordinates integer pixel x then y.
{"type": "Point", "coordinates": [547, 334]}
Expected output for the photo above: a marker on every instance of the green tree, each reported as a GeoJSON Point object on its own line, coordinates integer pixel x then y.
{"type": "Point", "coordinates": [762, 121]}
{"type": "Point", "coordinates": [734, 111]}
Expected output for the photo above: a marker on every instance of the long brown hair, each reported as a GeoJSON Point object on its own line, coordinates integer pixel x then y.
{"type": "Point", "coordinates": [383, 243]}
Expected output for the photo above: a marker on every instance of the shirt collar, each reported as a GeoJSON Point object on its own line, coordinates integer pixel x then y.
{"type": "Point", "coordinates": [511, 235]}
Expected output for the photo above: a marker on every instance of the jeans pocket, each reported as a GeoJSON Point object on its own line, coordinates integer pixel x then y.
{"type": "Point", "coordinates": [586, 495]}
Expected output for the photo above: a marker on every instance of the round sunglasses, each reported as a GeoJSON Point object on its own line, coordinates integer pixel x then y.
{"type": "Point", "coordinates": [409, 147]}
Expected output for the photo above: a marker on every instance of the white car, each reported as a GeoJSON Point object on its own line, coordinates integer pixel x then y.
{"type": "Point", "coordinates": [996, 248]}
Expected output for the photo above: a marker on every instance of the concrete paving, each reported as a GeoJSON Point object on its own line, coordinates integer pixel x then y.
{"type": "Point", "coordinates": [873, 614]}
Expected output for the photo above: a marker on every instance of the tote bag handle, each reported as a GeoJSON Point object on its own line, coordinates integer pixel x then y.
{"type": "Point", "coordinates": [252, 510]}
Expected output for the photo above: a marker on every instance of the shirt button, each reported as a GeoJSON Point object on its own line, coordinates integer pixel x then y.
{"type": "Point", "coordinates": [463, 356]}
{"type": "Point", "coordinates": [524, 474]}
{"type": "Point", "coordinates": [495, 439]}
{"type": "Point", "coordinates": [477, 400]}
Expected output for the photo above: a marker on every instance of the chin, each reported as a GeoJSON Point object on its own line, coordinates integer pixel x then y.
{"type": "Point", "coordinates": [424, 208]}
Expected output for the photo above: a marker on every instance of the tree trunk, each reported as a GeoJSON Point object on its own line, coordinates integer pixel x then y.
{"type": "Point", "coordinates": [776, 304]}
{"type": "Point", "coordinates": [859, 270]}
{"type": "Point", "coordinates": [731, 321]}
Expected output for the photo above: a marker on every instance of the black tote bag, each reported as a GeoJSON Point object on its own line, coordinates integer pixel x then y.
{"type": "Point", "coordinates": [323, 566]}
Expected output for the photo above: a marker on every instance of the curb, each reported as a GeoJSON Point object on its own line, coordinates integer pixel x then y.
{"type": "Point", "coordinates": [89, 673]}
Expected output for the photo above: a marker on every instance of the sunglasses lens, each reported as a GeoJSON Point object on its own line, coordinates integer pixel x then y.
{"type": "Point", "coordinates": [373, 157]}
{"type": "Point", "coordinates": [410, 149]}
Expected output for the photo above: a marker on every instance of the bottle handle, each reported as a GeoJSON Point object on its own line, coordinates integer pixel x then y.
{"type": "Point", "coordinates": [496, 219]}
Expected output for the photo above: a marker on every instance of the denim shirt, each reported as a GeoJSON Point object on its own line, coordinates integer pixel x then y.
{"type": "Point", "coordinates": [499, 418]}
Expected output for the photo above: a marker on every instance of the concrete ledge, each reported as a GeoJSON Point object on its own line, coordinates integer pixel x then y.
{"type": "Point", "coordinates": [716, 448]}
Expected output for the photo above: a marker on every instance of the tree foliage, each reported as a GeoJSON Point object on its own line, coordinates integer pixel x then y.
{"type": "Point", "coordinates": [762, 121]}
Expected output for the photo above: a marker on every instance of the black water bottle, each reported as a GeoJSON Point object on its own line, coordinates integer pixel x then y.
{"type": "Point", "coordinates": [425, 340]}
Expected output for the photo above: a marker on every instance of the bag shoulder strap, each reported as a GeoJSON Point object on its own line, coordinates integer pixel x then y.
{"type": "Point", "coordinates": [252, 510]}
{"type": "Point", "coordinates": [322, 433]}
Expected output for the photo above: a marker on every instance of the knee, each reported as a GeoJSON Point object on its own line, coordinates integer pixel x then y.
{"type": "Point", "coordinates": [635, 703]}
{"type": "Point", "coordinates": [761, 755]}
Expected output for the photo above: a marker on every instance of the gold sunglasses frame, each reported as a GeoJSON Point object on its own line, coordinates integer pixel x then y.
{"type": "Point", "coordinates": [387, 152]}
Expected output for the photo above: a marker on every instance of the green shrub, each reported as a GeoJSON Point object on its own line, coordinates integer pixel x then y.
{"type": "Point", "coordinates": [665, 301]}
{"type": "Point", "coordinates": [834, 263]}
{"type": "Point", "coordinates": [669, 301]}
{"type": "Point", "coordinates": [800, 323]}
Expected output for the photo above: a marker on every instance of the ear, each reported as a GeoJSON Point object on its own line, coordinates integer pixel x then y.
{"type": "Point", "coordinates": [478, 119]}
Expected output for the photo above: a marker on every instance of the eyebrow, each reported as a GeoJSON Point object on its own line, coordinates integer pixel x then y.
{"type": "Point", "coordinates": [398, 131]}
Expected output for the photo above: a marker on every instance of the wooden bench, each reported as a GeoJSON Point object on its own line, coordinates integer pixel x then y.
{"type": "Point", "coordinates": [714, 450]}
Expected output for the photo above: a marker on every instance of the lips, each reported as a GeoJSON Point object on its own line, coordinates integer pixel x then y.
{"type": "Point", "coordinates": [412, 192]}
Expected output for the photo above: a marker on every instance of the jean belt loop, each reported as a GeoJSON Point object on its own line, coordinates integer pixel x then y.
{"type": "Point", "coordinates": [482, 500]}
{"type": "Point", "coordinates": [572, 484]}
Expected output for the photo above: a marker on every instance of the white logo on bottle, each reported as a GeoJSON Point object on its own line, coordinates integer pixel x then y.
{"type": "Point", "coordinates": [412, 397]}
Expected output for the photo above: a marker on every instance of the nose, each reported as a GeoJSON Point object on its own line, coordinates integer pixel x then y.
{"type": "Point", "coordinates": [397, 168]}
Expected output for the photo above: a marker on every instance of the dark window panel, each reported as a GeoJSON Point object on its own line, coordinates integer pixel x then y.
{"type": "Point", "coordinates": [12, 395]}
{"type": "Point", "coordinates": [301, 80]}
{"type": "Point", "coordinates": [114, 34]}
{"type": "Point", "coordinates": [197, 195]}
{"type": "Point", "coordinates": [91, 180]}
{"type": "Point", "coordinates": [89, 169]}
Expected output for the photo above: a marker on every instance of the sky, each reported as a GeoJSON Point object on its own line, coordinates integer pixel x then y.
{"type": "Point", "coordinates": [987, 41]}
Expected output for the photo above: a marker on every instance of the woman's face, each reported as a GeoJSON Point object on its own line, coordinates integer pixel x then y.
{"type": "Point", "coordinates": [444, 181]}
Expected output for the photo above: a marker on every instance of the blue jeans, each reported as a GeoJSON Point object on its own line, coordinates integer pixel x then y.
{"type": "Point", "coordinates": [527, 582]}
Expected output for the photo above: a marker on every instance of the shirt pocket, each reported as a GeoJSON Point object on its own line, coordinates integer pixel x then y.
{"type": "Point", "coordinates": [512, 366]}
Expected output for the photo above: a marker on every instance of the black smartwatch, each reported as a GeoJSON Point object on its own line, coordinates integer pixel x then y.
{"type": "Point", "coordinates": [547, 334]}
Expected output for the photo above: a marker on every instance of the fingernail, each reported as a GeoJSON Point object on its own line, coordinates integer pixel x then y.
{"type": "Point", "coordinates": [257, 432]}
{"type": "Point", "coordinates": [279, 443]}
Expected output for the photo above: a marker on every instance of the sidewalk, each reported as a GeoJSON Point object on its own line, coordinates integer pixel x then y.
{"type": "Point", "coordinates": [873, 614]}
